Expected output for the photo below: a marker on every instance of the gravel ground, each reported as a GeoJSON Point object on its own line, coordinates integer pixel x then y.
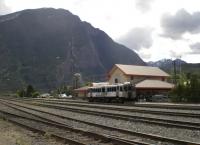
{"type": "Point", "coordinates": [132, 107]}
{"type": "Point", "coordinates": [64, 133]}
{"type": "Point", "coordinates": [14, 135]}
{"type": "Point", "coordinates": [126, 104]}
{"type": "Point", "coordinates": [48, 129]}
{"type": "Point", "coordinates": [16, 112]}
{"type": "Point", "coordinates": [178, 118]}
{"type": "Point", "coordinates": [184, 134]}
{"type": "Point", "coordinates": [89, 127]}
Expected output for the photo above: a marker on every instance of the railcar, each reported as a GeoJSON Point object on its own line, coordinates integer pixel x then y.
{"type": "Point", "coordinates": [109, 93]}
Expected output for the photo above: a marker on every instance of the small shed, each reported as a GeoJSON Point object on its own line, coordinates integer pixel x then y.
{"type": "Point", "coordinates": [82, 92]}
{"type": "Point", "coordinates": [151, 87]}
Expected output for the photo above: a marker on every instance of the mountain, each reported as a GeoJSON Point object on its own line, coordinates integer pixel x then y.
{"type": "Point", "coordinates": [45, 47]}
{"type": "Point", "coordinates": [168, 65]}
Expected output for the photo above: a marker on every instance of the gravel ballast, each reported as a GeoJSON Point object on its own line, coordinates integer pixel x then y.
{"type": "Point", "coordinates": [184, 134]}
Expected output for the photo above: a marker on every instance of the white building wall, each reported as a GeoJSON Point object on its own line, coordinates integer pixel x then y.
{"type": "Point", "coordinates": [117, 74]}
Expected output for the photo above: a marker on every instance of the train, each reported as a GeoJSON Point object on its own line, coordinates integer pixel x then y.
{"type": "Point", "coordinates": [112, 93]}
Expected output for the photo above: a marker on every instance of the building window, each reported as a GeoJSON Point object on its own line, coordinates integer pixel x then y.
{"type": "Point", "coordinates": [132, 77]}
{"type": "Point", "coordinates": [116, 81]}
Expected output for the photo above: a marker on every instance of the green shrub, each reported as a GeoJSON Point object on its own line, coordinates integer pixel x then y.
{"type": "Point", "coordinates": [21, 93]}
{"type": "Point", "coordinates": [29, 92]}
{"type": "Point", "coordinates": [187, 90]}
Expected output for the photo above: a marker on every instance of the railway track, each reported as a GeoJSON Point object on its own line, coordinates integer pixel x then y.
{"type": "Point", "coordinates": [64, 132]}
{"type": "Point", "coordinates": [127, 109]}
{"type": "Point", "coordinates": [156, 121]}
{"type": "Point", "coordinates": [149, 136]}
{"type": "Point", "coordinates": [148, 105]}
{"type": "Point", "coordinates": [121, 115]}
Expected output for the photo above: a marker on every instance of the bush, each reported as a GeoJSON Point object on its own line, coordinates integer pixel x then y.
{"type": "Point", "coordinates": [187, 90]}
{"type": "Point", "coordinates": [29, 92]}
{"type": "Point", "coordinates": [35, 94]}
{"type": "Point", "coordinates": [21, 93]}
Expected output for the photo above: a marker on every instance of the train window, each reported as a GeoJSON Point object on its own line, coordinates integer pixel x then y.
{"type": "Point", "coordinates": [117, 87]}
{"type": "Point", "coordinates": [103, 89]}
{"type": "Point", "coordinates": [114, 89]}
{"type": "Point", "coordinates": [129, 88]}
{"type": "Point", "coordinates": [125, 88]}
{"type": "Point", "coordinates": [121, 89]}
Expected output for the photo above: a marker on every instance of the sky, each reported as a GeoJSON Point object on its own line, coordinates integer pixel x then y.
{"type": "Point", "coordinates": [155, 29]}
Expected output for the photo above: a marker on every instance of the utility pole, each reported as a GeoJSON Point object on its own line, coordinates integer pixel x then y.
{"type": "Point", "coordinates": [174, 64]}
{"type": "Point", "coordinates": [180, 65]}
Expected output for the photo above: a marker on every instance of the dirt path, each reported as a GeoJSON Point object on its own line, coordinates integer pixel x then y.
{"type": "Point", "coordinates": [11, 134]}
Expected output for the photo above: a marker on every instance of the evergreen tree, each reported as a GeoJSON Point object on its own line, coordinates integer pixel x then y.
{"type": "Point", "coordinates": [29, 91]}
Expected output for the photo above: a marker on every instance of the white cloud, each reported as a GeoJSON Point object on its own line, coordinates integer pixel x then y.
{"type": "Point", "coordinates": [195, 48]}
{"type": "Point", "coordinates": [146, 54]}
{"type": "Point", "coordinates": [4, 9]}
{"type": "Point", "coordinates": [176, 25]}
{"type": "Point", "coordinates": [143, 5]}
{"type": "Point", "coordinates": [137, 38]}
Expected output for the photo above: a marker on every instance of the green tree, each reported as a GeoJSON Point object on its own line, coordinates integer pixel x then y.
{"type": "Point", "coordinates": [29, 91]}
{"type": "Point", "coordinates": [35, 94]}
{"type": "Point", "coordinates": [21, 93]}
{"type": "Point", "coordinates": [187, 89]}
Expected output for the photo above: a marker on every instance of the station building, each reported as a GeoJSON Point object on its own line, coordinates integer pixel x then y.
{"type": "Point", "coordinates": [146, 79]}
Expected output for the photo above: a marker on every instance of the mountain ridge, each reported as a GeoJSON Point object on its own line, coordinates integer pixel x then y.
{"type": "Point", "coordinates": [181, 65]}
{"type": "Point", "coordinates": [45, 47]}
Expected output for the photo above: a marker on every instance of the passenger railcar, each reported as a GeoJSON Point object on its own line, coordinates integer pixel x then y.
{"type": "Point", "coordinates": [108, 93]}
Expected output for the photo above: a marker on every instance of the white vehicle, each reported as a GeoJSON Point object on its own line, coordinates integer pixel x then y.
{"type": "Point", "coordinates": [107, 93]}
{"type": "Point", "coordinates": [64, 96]}
{"type": "Point", "coordinates": [45, 95]}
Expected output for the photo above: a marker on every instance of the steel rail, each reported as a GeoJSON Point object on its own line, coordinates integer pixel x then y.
{"type": "Point", "coordinates": [105, 138]}
{"type": "Point", "coordinates": [29, 127]}
{"type": "Point", "coordinates": [133, 104]}
{"type": "Point", "coordinates": [140, 134]}
{"type": "Point", "coordinates": [149, 120]}
{"type": "Point", "coordinates": [166, 106]}
{"type": "Point", "coordinates": [117, 108]}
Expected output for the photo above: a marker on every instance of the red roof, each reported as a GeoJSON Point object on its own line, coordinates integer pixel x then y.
{"type": "Point", "coordinates": [140, 70]}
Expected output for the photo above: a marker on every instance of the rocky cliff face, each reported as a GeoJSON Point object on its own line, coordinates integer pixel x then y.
{"type": "Point", "coordinates": [44, 47]}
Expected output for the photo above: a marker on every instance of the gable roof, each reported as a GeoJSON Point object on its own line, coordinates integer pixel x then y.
{"type": "Point", "coordinates": [85, 88]}
{"type": "Point", "coordinates": [140, 70]}
{"type": "Point", "coordinates": [154, 84]}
